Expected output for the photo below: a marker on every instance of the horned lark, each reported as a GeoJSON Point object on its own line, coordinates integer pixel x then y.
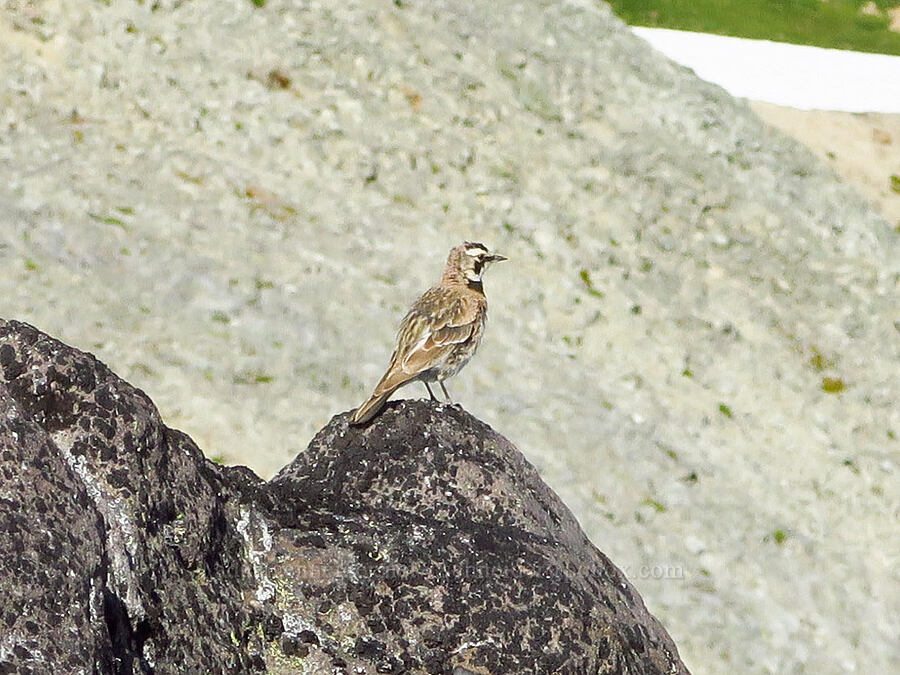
{"type": "Point", "coordinates": [441, 331]}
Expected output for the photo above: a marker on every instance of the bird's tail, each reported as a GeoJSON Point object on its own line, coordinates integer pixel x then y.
{"type": "Point", "coordinates": [370, 408]}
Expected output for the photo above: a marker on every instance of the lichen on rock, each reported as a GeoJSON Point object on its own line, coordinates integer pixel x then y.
{"type": "Point", "coordinates": [422, 543]}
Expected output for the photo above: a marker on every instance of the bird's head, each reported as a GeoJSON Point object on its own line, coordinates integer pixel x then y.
{"type": "Point", "coordinates": [468, 261]}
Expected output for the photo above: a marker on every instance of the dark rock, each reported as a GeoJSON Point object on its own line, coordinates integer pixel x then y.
{"type": "Point", "coordinates": [292, 645]}
{"type": "Point", "coordinates": [121, 552]}
{"type": "Point", "coordinates": [445, 549]}
{"type": "Point", "coordinates": [273, 627]}
{"type": "Point", "coordinates": [423, 543]}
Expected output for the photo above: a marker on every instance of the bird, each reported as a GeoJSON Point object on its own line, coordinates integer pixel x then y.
{"type": "Point", "coordinates": [441, 331]}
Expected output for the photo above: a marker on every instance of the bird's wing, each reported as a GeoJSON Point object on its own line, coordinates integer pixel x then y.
{"type": "Point", "coordinates": [436, 322]}
{"type": "Point", "coordinates": [448, 335]}
{"type": "Point", "coordinates": [440, 320]}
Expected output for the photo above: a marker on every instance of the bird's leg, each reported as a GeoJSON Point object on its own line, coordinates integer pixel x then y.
{"type": "Point", "coordinates": [430, 393]}
{"type": "Point", "coordinates": [449, 400]}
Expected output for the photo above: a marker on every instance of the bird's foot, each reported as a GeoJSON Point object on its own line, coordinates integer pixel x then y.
{"type": "Point", "coordinates": [446, 393]}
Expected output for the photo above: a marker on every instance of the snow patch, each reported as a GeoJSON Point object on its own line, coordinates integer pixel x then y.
{"type": "Point", "coordinates": [796, 76]}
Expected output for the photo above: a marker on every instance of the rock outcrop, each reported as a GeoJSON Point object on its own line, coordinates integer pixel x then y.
{"type": "Point", "coordinates": [437, 541]}
{"type": "Point", "coordinates": [424, 543]}
{"type": "Point", "coordinates": [121, 550]}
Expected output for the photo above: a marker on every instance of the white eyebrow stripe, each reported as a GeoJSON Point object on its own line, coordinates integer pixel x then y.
{"type": "Point", "coordinates": [475, 251]}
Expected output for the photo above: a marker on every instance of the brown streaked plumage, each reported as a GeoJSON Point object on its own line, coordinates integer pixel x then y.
{"type": "Point", "coordinates": [441, 331]}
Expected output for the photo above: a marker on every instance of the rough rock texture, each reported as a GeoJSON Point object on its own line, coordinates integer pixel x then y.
{"type": "Point", "coordinates": [424, 543]}
{"type": "Point", "coordinates": [437, 542]}
{"type": "Point", "coordinates": [120, 547]}
{"type": "Point", "coordinates": [233, 206]}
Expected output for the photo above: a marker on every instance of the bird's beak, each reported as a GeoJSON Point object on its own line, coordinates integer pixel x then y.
{"type": "Point", "coordinates": [496, 257]}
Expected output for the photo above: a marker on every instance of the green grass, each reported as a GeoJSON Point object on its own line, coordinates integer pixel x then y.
{"type": "Point", "coordinates": [895, 183]}
{"type": "Point", "coordinates": [253, 377]}
{"type": "Point", "coordinates": [837, 23]}
{"type": "Point", "coordinates": [589, 284]}
{"type": "Point", "coordinates": [655, 505]}
{"type": "Point", "coordinates": [833, 385]}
